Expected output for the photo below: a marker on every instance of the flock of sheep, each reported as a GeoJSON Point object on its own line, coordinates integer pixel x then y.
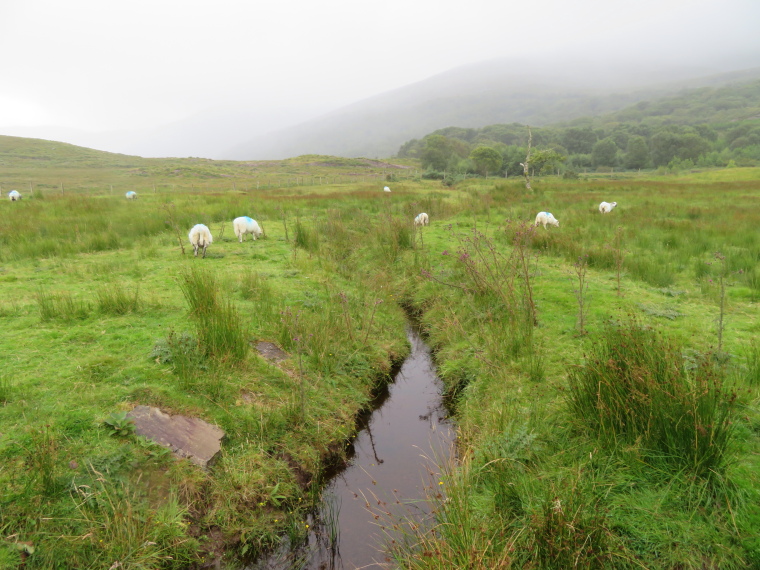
{"type": "Point", "coordinates": [548, 219]}
{"type": "Point", "coordinates": [200, 236]}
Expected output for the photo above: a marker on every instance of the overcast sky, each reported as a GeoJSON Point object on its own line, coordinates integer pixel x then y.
{"type": "Point", "coordinates": [101, 64]}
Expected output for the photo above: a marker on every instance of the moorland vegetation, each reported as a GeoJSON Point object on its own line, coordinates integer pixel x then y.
{"type": "Point", "coordinates": [604, 375]}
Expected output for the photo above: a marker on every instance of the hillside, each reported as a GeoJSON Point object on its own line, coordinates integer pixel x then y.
{"type": "Point", "coordinates": [49, 164]}
{"type": "Point", "coordinates": [499, 91]}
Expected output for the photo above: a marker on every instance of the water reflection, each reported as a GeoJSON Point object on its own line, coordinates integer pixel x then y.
{"type": "Point", "coordinates": [394, 463]}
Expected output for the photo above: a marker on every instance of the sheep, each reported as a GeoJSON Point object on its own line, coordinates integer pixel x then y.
{"type": "Point", "coordinates": [13, 195]}
{"type": "Point", "coordinates": [421, 219]}
{"type": "Point", "coordinates": [386, 189]}
{"type": "Point", "coordinates": [607, 207]}
{"type": "Point", "coordinates": [200, 237]}
{"type": "Point", "coordinates": [246, 225]}
{"type": "Point", "coordinates": [546, 218]}
{"type": "Point", "coordinates": [131, 195]}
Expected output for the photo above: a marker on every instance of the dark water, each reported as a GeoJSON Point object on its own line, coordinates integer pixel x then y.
{"type": "Point", "coordinates": [394, 465]}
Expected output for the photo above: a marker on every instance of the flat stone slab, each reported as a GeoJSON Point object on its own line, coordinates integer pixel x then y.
{"type": "Point", "coordinates": [190, 438]}
{"type": "Point", "coordinates": [271, 351]}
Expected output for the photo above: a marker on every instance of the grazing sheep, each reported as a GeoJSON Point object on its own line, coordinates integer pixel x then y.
{"type": "Point", "coordinates": [421, 219]}
{"type": "Point", "coordinates": [607, 207]}
{"type": "Point", "coordinates": [131, 195]}
{"type": "Point", "coordinates": [200, 237]}
{"type": "Point", "coordinates": [13, 195]}
{"type": "Point", "coordinates": [246, 225]}
{"type": "Point", "coordinates": [547, 218]}
{"type": "Point", "coordinates": [386, 189]}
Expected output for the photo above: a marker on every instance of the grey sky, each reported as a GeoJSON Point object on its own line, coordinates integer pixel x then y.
{"type": "Point", "coordinates": [100, 64]}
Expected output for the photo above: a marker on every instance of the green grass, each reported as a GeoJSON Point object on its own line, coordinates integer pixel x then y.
{"type": "Point", "coordinates": [634, 389]}
{"type": "Point", "coordinates": [101, 311]}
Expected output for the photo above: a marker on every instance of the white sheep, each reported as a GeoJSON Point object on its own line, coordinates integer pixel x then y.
{"type": "Point", "coordinates": [607, 207]}
{"type": "Point", "coordinates": [131, 195]}
{"type": "Point", "coordinates": [547, 218]}
{"type": "Point", "coordinates": [13, 195]}
{"type": "Point", "coordinates": [245, 225]}
{"type": "Point", "coordinates": [200, 237]}
{"type": "Point", "coordinates": [421, 219]}
{"type": "Point", "coordinates": [386, 189]}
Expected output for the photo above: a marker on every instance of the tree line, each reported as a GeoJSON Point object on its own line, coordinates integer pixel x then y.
{"type": "Point", "coordinates": [704, 127]}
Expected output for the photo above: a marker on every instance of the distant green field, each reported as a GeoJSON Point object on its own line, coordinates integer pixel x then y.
{"type": "Point", "coordinates": [604, 374]}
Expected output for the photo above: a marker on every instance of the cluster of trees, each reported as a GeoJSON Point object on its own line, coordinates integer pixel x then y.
{"type": "Point", "coordinates": [648, 135]}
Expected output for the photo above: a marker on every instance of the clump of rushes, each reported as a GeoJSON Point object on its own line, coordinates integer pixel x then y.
{"type": "Point", "coordinates": [218, 323]}
{"type": "Point", "coordinates": [634, 388]}
{"type": "Point", "coordinates": [61, 306]}
{"type": "Point", "coordinates": [115, 300]}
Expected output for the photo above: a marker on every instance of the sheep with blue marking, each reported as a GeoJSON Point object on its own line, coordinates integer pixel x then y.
{"type": "Point", "coordinates": [546, 218]}
{"type": "Point", "coordinates": [607, 207]}
{"type": "Point", "coordinates": [421, 219]}
{"type": "Point", "coordinates": [386, 189]}
{"type": "Point", "coordinates": [14, 196]}
{"type": "Point", "coordinates": [200, 237]}
{"type": "Point", "coordinates": [245, 225]}
{"type": "Point", "coordinates": [131, 195]}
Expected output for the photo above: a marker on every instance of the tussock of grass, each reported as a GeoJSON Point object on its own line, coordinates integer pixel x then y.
{"type": "Point", "coordinates": [116, 300]}
{"type": "Point", "coordinates": [219, 326]}
{"type": "Point", "coordinates": [635, 389]}
{"type": "Point", "coordinates": [61, 306]}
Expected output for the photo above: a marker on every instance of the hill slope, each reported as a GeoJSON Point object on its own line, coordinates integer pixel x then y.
{"type": "Point", "coordinates": [499, 91]}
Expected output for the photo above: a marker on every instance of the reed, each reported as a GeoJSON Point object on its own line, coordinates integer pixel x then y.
{"type": "Point", "coordinates": [635, 389]}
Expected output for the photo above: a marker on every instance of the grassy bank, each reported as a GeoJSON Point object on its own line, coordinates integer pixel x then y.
{"type": "Point", "coordinates": [604, 376]}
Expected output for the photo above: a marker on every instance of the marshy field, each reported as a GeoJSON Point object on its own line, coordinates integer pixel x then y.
{"type": "Point", "coordinates": [604, 375]}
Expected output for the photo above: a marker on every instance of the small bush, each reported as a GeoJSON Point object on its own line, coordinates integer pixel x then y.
{"type": "Point", "coordinates": [570, 175]}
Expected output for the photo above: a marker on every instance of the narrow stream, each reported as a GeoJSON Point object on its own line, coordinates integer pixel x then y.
{"type": "Point", "coordinates": [394, 462]}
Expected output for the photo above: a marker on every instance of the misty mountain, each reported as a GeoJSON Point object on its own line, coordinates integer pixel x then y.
{"type": "Point", "coordinates": [498, 91]}
{"type": "Point", "coordinates": [207, 134]}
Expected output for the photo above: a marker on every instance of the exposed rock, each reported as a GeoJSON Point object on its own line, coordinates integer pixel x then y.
{"type": "Point", "coordinates": [271, 351]}
{"type": "Point", "coordinates": [186, 437]}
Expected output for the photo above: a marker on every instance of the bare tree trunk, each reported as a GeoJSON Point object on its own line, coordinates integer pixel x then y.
{"type": "Point", "coordinates": [526, 164]}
